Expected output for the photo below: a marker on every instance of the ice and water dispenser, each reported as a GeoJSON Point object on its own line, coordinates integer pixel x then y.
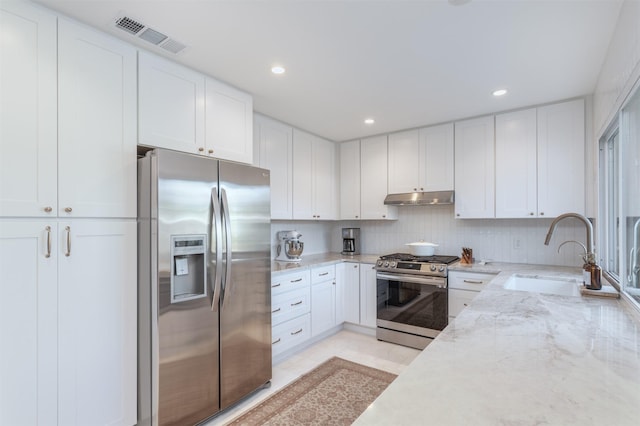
{"type": "Point", "coordinates": [188, 267]}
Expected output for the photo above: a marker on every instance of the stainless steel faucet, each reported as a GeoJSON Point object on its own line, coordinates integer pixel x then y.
{"type": "Point", "coordinates": [590, 255]}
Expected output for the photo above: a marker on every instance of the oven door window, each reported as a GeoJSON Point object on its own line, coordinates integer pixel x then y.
{"type": "Point", "coordinates": [419, 305]}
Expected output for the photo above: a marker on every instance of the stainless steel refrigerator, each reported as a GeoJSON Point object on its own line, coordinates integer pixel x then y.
{"type": "Point", "coordinates": [204, 286]}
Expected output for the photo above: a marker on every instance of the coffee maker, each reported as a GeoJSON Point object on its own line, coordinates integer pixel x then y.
{"type": "Point", "coordinates": [350, 241]}
{"type": "Point", "coordinates": [289, 246]}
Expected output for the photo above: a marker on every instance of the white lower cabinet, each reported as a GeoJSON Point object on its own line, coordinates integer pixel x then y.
{"type": "Point", "coordinates": [290, 310]}
{"type": "Point", "coordinates": [323, 299]}
{"type": "Point", "coordinates": [71, 286]}
{"type": "Point", "coordinates": [349, 275]}
{"type": "Point", "coordinates": [290, 334]}
{"type": "Point", "coordinates": [463, 288]}
{"type": "Point", "coordinates": [368, 295]}
{"type": "Point", "coordinates": [28, 323]}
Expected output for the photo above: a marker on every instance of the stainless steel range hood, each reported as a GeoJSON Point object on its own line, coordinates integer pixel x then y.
{"type": "Point", "coordinates": [420, 198]}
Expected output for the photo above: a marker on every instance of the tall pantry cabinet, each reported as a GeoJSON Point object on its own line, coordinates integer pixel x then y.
{"type": "Point", "coordinates": [67, 222]}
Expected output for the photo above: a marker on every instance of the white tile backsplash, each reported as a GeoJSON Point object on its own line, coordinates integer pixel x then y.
{"type": "Point", "coordinates": [503, 240]}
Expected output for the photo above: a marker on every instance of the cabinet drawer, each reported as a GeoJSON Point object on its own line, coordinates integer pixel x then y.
{"type": "Point", "coordinates": [288, 282]}
{"type": "Point", "coordinates": [469, 280]}
{"type": "Point", "coordinates": [290, 333]}
{"type": "Point", "coordinates": [459, 299]}
{"type": "Point", "coordinates": [322, 274]}
{"type": "Point", "coordinates": [291, 304]}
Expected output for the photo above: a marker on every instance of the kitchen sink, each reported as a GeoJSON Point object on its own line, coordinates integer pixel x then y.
{"type": "Point", "coordinates": [545, 285]}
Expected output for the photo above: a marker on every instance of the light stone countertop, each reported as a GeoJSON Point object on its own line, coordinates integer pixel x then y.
{"type": "Point", "coordinates": [317, 260]}
{"type": "Point", "coordinates": [522, 358]}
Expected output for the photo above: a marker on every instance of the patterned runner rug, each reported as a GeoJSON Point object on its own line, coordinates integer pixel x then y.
{"type": "Point", "coordinates": [334, 393]}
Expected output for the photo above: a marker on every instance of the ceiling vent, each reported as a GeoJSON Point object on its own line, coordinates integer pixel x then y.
{"type": "Point", "coordinates": [149, 35]}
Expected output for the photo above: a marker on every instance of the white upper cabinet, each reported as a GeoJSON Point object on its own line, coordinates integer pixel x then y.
{"type": "Point", "coordinates": [184, 110]}
{"type": "Point", "coordinates": [273, 143]}
{"type": "Point", "coordinates": [540, 161]}
{"type": "Point", "coordinates": [436, 156]}
{"type": "Point", "coordinates": [350, 180]}
{"type": "Point", "coordinates": [229, 122]}
{"type": "Point", "coordinates": [97, 124]}
{"type": "Point", "coordinates": [561, 158]}
{"type": "Point", "coordinates": [28, 134]}
{"type": "Point", "coordinates": [404, 162]}
{"type": "Point", "coordinates": [474, 168]}
{"type": "Point", "coordinates": [314, 181]}
{"type": "Point", "coordinates": [373, 179]}
{"type": "Point", "coordinates": [421, 160]}
{"type": "Point", "coordinates": [171, 105]}
{"type": "Point", "coordinates": [516, 164]}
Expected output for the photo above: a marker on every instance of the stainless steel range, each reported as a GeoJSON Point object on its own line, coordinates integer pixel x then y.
{"type": "Point", "coordinates": [412, 304]}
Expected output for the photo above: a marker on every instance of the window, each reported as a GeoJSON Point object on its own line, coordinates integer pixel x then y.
{"type": "Point", "coordinates": [620, 199]}
{"type": "Point", "coordinates": [610, 259]}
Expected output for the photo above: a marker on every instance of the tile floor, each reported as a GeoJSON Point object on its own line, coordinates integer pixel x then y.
{"type": "Point", "coordinates": [349, 345]}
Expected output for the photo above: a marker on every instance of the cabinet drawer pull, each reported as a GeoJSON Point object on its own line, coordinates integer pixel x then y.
{"type": "Point", "coordinates": [68, 209]}
{"type": "Point", "coordinates": [48, 209]}
{"type": "Point", "coordinates": [68, 229]}
{"type": "Point", "coordinates": [277, 341]}
{"type": "Point", "coordinates": [275, 285]}
{"type": "Point", "coordinates": [297, 303]}
{"type": "Point", "coordinates": [323, 274]}
{"type": "Point", "coordinates": [48, 229]}
{"type": "Point", "coordinates": [465, 304]}
{"type": "Point", "coordinates": [296, 281]}
{"type": "Point", "coordinates": [293, 333]}
{"type": "Point", "coordinates": [473, 281]}
{"type": "Point", "coordinates": [275, 310]}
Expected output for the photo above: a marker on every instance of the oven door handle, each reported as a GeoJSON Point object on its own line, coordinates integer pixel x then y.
{"type": "Point", "coordinates": [437, 282]}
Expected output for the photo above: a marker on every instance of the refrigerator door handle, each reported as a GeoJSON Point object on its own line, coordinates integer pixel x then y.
{"type": "Point", "coordinates": [216, 222]}
{"type": "Point", "coordinates": [227, 235]}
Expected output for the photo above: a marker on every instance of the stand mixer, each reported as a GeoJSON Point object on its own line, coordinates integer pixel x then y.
{"type": "Point", "coordinates": [289, 246]}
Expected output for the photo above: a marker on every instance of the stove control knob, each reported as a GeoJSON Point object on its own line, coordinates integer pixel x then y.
{"type": "Point", "coordinates": [441, 268]}
{"type": "Point", "coordinates": [379, 263]}
{"type": "Point", "coordinates": [393, 264]}
{"type": "Point", "coordinates": [386, 264]}
{"type": "Point", "coordinates": [433, 268]}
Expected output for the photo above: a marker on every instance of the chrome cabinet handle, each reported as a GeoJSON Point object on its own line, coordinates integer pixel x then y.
{"type": "Point", "coordinates": [48, 209]}
{"type": "Point", "coordinates": [48, 229]}
{"type": "Point", "coordinates": [68, 230]}
{"type": "Point", "coordinates": [323, 274]}
{"type": "Point", "coordinates": [293, 333]}
{"type": "Point", "coordinates": [277, 341]}
{"type": "Point", "coordinates": [296, 281]}
{"type": "Point", "coordinates": [275, 310]}
{"type": "Point", "coordinates": [68, 209]}
{"type": "Point", "coordinates": [473, 281]}
{"type": "Point", "coordinates": [275, 285]}
{"type": "Point", "coordinates": [297, 303]}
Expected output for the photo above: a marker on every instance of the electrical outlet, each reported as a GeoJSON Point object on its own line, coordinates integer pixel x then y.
{"type": "Point", "coordinates": [517, 243]}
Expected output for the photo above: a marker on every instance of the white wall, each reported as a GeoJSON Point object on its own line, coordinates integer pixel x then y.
{"type": "Point", "coordinates": [491, 239]}
{"type": "Point", "coordinates": [621, 67]}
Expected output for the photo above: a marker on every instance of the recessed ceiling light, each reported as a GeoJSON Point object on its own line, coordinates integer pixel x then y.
{"type": "Point", "coordinates": [278, 70]}
{"type": "Point", "coordinates": [369, 121]}
{"type": "Point", "coordinates": [500, 92]}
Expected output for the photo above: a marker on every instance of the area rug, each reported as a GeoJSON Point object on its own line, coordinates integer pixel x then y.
{"type": "Point", "coordinates": [334, 393]}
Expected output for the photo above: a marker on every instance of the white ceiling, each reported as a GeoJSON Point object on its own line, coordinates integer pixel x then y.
{"type": "Point", "coordinates": [404, 63]}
